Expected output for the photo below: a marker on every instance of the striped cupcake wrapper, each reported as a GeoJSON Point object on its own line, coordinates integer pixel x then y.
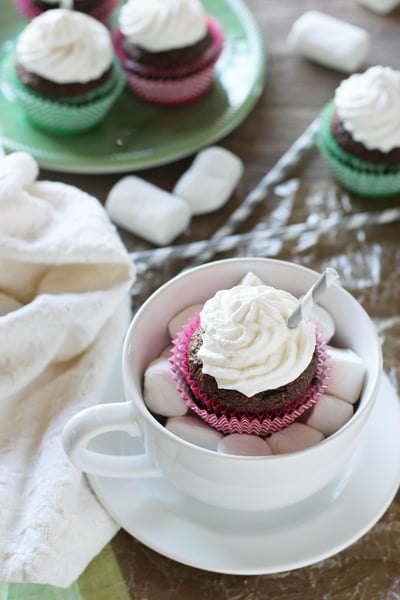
{"type": "Point", "coordinates": [231, 421]}
{"type": "Point", "coordinates": [76, 115]}
{"type": "Point", "coordinates": [360, 177]}
{"type": "Point", "coordinates": [102, 12]}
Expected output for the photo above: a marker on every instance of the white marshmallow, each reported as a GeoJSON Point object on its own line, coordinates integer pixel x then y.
{"type": "Point", "coordinates": [179, 320]}
{"type": "Point", "coordinates": [146, 210]}
{"type": "Point", "coordinates": [194, 430]}
{"type": "Point", "coordinates": [329, 41]}
{"type": "Point", "coordinates": [347, 374]}
{"type": "Point", "coordinates": [210, 180]}
{"type": "Point", "coordinates": [166, 353]}
{"type": "Point", "coordinates": [329, 414]}
{"type": "Point", "coordinates": [159, 390]}
{"type": "Point", "coordinates": [380, 6]}
{"type": "Point", "coordinates": [296, 436]}
{"type": "Point", "coordinates": [324, 321]}
{"type": "Point", "coordinates": [244, 445]}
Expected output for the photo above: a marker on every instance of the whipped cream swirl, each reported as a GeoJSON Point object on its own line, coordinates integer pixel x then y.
{"type": "Point", "coordinates": [158, 25]}
{"type": "Point", "coordinates": [247, 345]}
{"type": "Point", "coordinates": [65, 46]}
{"type": "Point", "coordinates": [368, 104]}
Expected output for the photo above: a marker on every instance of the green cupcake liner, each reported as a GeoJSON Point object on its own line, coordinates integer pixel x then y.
{"type": "Point", "coordinates": [66, 115]}
{"type": "Point", "coordinates": [360, 177]}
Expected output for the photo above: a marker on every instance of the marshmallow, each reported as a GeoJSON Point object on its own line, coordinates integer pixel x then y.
{"type": "Point", "coordinates": [346, 375]}
{"type": "Point", "coordinates": [180, 319]}
{"type": "Point", "coordinates": [244, 445]}
{"type": "Point", "coordinates": [194, 430]}
{"type": "Point", "coordinates": [210, 180]}
{"type": "Point", "coordinates": [159, 390]}
{"type": "Point", "coordinates": [296, 436]}
{"type": "Point", "coordinates": [380, 6]}
{"type": "Point", "coordinates": [329, 41]}
{"type": "Point", "coordinates": [166, 353]}
{"type": "Point", "coordinates": [329, 414]}
{"type": "Point", "coordinates": [149, 212]}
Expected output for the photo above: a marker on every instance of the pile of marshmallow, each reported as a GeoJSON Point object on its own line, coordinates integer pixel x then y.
{"type": "Point", "coordinates": [332, 42]}
{"type": "Point", "coordinates": [159, 216]}
{"type": "Point", "coordinates": [333, 409]}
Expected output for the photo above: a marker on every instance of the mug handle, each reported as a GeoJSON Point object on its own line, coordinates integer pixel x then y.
{"type": "Point", "coordinates": [103, 418]}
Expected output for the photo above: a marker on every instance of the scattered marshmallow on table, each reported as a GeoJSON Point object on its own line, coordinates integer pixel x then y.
{"type": "Point", "coordinates": [329, 41]}
{"type": "Point", "coordinates": [380, 6]}
{"type": "Point", "coordinates": [159, 390]}
{"type": "Point", "coordinates": [210, 180]}
{"type": "Point", "coordinates": [194, 430]}
{"type": "Point", "coordinates": [146, 210]}
{"type": "Point", "coordinates": [329, 414]}
{"type": "Point", "coordinates": [347, 372]}
{"type": "Point", "coordinates": [294, 437]}
{"type": "Point", "coordinates": [244, 445]}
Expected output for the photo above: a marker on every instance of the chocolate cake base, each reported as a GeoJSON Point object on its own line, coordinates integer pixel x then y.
{"type": "Point", "coordinates": [81, 5]}
{"type": "Point", "coordinates": [265, 401]}
{"type": "Point", "coordinates": [167, 59]}
{"type": "Point", "coordinates": [345, 140]}
{"type": "Point", "coordinates": [43, 86]}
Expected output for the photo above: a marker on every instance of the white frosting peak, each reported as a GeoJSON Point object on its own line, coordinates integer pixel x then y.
{"type": "Point", "coordinates": [247, 345]}
{"type": "Point", "coordinates": [368, 104]}
{"type": "Point", "coordinates": [158, 25]}
{"type": "Point", "coordinates": [65, 46]}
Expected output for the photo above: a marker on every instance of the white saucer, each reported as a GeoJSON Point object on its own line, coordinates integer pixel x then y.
{"type": "Point", "coordinates": [242, 543]}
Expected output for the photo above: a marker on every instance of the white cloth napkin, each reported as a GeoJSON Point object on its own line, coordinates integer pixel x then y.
{"type": "Point", "coordinates": [64, 282]}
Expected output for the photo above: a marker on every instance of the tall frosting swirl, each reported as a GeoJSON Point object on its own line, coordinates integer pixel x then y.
{"type": "Point", "coordinates": [369, 106]}
{"type": "Point", "coordinates": [65, 46]}
{"type": "Point", "coordinates": [158, 25]}
{"type": "Point", "coordinates": [247, 345]}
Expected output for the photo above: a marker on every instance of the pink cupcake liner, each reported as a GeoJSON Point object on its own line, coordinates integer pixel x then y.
{"type": "Point", "coordinates": [171, 92]}
{"type": "Point", "coordinates": [177, 86]}
{"type": "Point", "coordinates": [101, 13]}
{"type": "Point", "coordinates": [232, 421]}
{"type": "Point", "coordinates": [27, 10]}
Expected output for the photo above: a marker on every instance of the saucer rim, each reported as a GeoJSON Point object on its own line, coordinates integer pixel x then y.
{"type": "Point", "coordinates": [151, 501]}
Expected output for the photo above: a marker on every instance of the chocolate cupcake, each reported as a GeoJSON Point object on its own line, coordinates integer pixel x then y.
{"type": "Point", "coordinates": [241, 368]}
{"type": "Point", "coordinates": [263, 401]}
{"type": "Point", "coordinates": [360, 133]}
{"type": "Point", "coordinates": [64, 74]}
{"type": "Point", "coordinates": [168, 49]}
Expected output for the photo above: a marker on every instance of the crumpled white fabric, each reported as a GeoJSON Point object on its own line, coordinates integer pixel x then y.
{"type": "Point", "coordinates": [64, 285]}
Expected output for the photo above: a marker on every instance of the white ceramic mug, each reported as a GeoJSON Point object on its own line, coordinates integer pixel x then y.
{"type": "Point", "coordinates": [227, 481]}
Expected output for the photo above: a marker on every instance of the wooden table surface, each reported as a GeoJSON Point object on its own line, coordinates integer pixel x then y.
{"type": "Point", "coordinates": [295, 91]}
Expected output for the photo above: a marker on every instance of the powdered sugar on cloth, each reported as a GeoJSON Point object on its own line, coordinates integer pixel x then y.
{"type": "Point", "coordinates": [64, 283]}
